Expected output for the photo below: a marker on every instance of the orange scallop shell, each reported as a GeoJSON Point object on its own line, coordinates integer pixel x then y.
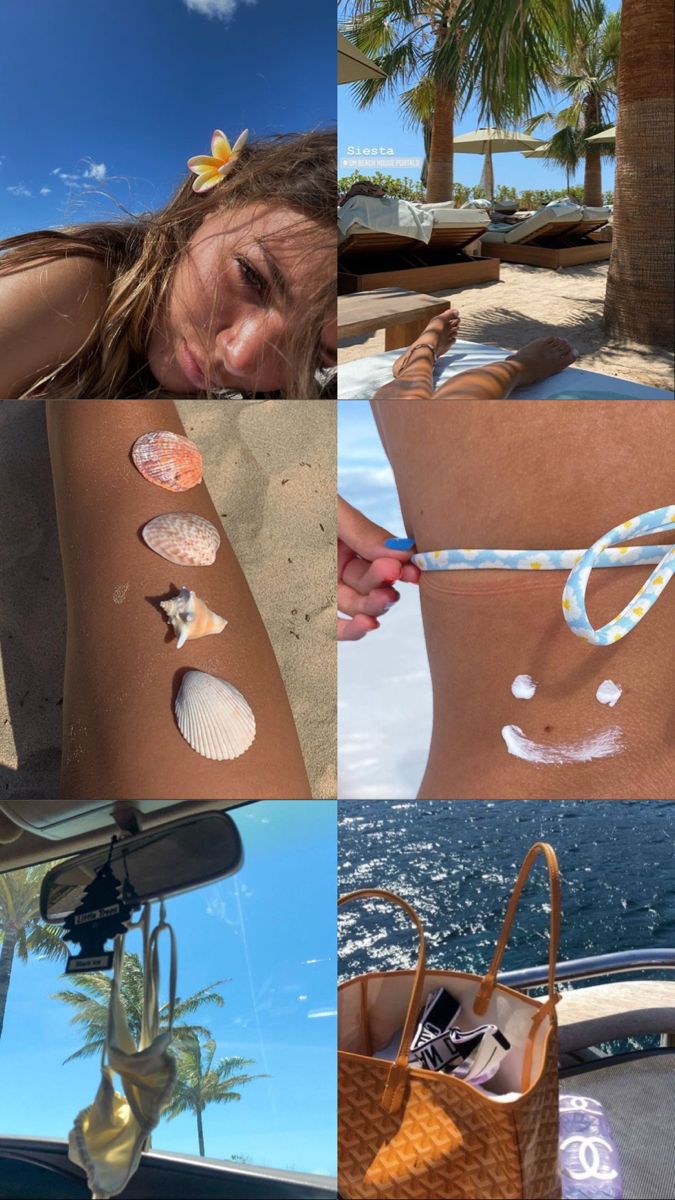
{"type": "Point", "coordinates": [167, 459]}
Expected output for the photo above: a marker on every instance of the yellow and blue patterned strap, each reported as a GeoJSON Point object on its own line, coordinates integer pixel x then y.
{"type": "Point", "coordinates": [603, 553]}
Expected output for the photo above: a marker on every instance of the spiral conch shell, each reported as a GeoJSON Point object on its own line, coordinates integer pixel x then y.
{"type": "Point", "coordinates": [182, 537]}
{"type": "Point", "coordinates": [213, 717]}
{"type": "Point", "coordinates": [190, 617]}
{"type": "Point", "coordinates": [171, 461]}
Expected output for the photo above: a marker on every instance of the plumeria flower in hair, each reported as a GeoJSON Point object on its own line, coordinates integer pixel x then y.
{"type": "Point", "coordinates": [211, 168]}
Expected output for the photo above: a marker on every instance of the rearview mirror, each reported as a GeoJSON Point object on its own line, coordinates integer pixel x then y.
{"type": "Point", "coordinates": [161, 863]}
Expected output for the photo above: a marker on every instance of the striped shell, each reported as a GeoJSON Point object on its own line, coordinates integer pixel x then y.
{"type": "Point", "coordinates": [213, 717]}
{"type": "Point", "coordinates": [182, 537]}
{"type": "Point", "coordinates": [167, 459]}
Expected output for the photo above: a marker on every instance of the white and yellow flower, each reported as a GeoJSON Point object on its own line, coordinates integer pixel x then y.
{"type": "Point", "coordinates": [210, 169]}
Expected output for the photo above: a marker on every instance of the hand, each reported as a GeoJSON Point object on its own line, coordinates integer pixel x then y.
{"type": "Point", "coordinates": [366, 571]}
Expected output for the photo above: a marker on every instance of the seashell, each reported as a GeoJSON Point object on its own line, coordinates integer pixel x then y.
{"type": "Point", "coordinates": [167, 459]}
{"type": "Point", "coordinates": [182, 537]}
{"type": "Point", "coordinates": [213, 717]}
{"type": "Point", "coordinates": [190, 617]}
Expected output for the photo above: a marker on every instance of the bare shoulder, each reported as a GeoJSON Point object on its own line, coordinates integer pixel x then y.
{"type": "Point", "coordinates": [47, 311]}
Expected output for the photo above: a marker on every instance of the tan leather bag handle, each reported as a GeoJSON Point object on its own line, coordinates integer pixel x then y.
{"type": "Point", "coordinates": [394, 1091]}
{"type": "Point", "coordinates": [488, 984]}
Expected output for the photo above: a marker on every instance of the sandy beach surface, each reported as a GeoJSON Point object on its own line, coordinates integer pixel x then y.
{"type": "Point", "coordinates": [270, 468]}
{"type": "Point", "coordinates": [528, 302]}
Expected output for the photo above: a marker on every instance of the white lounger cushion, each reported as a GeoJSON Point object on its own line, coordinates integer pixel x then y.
{"type": "Point", "coordinates": [360, 379]}
{"type": "Point", "coordinates": [553, 214]}
{"type": "Point", "coordinates": [446, 217]}
{"type": "Point", "coordinates": [598, 214]}
{"type": "Point", "coordinates": [404, 219]}
{"type": "Point", "coordinates": [400, 218]}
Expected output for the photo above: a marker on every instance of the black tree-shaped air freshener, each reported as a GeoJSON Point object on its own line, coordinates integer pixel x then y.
{"type": "Point", "coordinates": [101, 915]}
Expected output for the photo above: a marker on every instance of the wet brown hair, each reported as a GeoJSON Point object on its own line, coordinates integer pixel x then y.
{"type": "Point", "coordinates": [140, 253]}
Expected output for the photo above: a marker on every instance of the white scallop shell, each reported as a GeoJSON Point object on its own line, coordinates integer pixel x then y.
{"type": "Point", "coordinates": [213, 717]}
{"type": "Point", "coordinates": [182, 537]}
{"type": "Point", "coordinates": [191, 617]}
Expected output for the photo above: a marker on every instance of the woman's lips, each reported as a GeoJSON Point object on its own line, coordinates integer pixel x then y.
{"type": "Point", "coordinates": [190, 367]}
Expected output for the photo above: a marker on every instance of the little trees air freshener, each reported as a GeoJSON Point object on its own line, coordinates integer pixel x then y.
{"type": "Point", "coordinates": [101, 915]}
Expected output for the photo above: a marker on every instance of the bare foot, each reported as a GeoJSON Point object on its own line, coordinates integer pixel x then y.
{"type": "Point", "coordinates": [543, 357]}
{"type": "Point", "coordinates": [440, 334]}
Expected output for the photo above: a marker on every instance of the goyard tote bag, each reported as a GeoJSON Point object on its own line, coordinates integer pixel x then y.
{"type": "Point", "coordinates": [406, 1132]}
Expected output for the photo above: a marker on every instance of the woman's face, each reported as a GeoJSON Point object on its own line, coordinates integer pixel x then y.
{"type": "Point", "coordinates": [237, 293]}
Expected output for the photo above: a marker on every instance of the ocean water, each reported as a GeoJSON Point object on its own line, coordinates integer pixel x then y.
{"type": "Point", "coordinates": [456, 863]}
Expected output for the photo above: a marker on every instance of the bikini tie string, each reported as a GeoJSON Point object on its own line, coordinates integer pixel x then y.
{"type": "Point", "coordinates": [603, 553]}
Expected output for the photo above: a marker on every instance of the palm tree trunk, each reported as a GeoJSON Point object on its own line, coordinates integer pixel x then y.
{"type": "Point", "coordinates": [593, 163]}
{"type": "Point", "coordinates": [440, 173]}
{"type": "Point", "coordinates": [6, 959]}
{"type": "Point", "coordinates": [439, 178]}
{"type": "Point", "coordinates": [200, 1132]}
{"type": "Point", "coordinates": [639, 297]}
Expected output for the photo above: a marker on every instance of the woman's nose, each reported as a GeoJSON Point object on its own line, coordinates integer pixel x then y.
{"type": "Point", "coordinates": [247, 346]}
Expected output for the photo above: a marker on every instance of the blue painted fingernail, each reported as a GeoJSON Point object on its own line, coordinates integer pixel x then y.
{"type": "Point", "coordinates": [400, 543]}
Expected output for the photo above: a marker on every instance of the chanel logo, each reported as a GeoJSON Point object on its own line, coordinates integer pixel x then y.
{"type": "Point", "coordinates": [580, 1104]}
{"type": "Point", "coordinates": [589, 1157]}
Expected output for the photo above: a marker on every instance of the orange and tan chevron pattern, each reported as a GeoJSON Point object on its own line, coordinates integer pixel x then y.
{"type": "Point", "coordinates": [447, 1140]}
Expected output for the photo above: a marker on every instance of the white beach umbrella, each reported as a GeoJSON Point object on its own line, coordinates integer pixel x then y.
{"type": "Point", "coordinates": [353, 65]}
{"type": "Point", "coordinates": [540, 152]}
{"type": "Point", "coordinates": [607, 135]}
{"type": "Point", "coordinates": [490, 141]}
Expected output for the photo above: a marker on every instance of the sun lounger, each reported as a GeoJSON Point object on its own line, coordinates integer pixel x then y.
{"type": "Point", "coordinates": [555, 236]}
{"type": "Point", "coordinates": [359, 380]}
{"type": "Point", "coordinates": [375, 253]}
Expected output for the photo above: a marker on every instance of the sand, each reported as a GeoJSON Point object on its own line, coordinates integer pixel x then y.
{"type": "Point", "coordinates": [528, 302]}
{"type": "Point", "coordinates": [270, 468]}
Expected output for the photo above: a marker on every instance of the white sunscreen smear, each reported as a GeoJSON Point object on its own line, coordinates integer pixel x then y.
{"type": "Point", "coordinates": [523, 687]}
{"type": "Point", "coordinates": [599, 745]}
{"type": "Point", "coordinates": [608, 693]}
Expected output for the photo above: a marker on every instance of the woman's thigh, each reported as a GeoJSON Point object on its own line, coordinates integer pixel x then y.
{"type": "Point", "coordinates": [537, 474]}
{"type": "Point", "coordinates": [122, 666]}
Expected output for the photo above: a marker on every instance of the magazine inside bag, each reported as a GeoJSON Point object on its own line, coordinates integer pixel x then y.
{"type": "Point", "coordinates": [373, 1008]}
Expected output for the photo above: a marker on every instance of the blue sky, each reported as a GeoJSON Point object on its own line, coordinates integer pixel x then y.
{"type": "Point", "coordinates": [270, 931]}
{"type": "Point", "coordinates": [382, 125]}
{"type": "Point", "coordinates": [384, 689]}
{"type": "Point", "coordinates": [129, 90]}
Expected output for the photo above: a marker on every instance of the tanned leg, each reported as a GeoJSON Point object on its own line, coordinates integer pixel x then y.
{"type": "Point", "coordinates": [120, 738]}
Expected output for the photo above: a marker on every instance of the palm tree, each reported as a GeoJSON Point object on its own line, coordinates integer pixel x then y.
{"type": "Point", "coordinates": [199, 1082]}
{"type": "Point", "coordinates": [442, 56]}
{"type": "Point", "coordinates": [587, 74]}
{"type": "Point", "coordinates": [91, 1002]}
{"type": "Point", "coordinates": [22, 931]}
{"type": "Point", "coordinates": [403, 36]}
{"type": "Point", "coordinates": [639, 297]}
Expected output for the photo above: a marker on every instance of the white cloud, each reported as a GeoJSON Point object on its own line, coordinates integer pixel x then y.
{"type": "Point", "coordinates": [19, 189]}
{"type": "Point", "coordinates": [74, 179]}
{"type": "Point", "coordinates": [45, 191]}
{"type": "Point", "coordinates": [224, 9]}
{"type": "Point", "coordinates": [317, 1013]}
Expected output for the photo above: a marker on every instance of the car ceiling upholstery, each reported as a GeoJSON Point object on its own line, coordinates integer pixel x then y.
{"type": "Point", "coordinates": [36, 831]}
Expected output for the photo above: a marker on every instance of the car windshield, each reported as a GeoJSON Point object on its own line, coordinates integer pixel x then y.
{"type": "Point", "coordinates": [256, 982]}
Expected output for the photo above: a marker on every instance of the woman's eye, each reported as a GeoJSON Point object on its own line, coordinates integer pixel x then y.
{"type": "Point", "coordinates": [251, 277]}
